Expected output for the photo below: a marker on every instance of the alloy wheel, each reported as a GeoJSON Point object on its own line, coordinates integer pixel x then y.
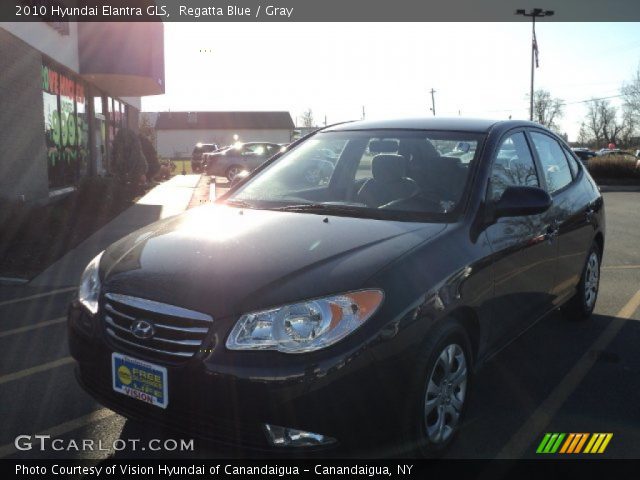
{"type": "Point", "coordinates": [232, 172]}
{"type": "Point", "coordinates": [591, 279]}
{"type": "Point", "coordinates": [445, 395]}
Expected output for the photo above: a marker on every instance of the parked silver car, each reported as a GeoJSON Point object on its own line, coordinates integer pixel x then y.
{"type": "Point", "coordinates": [230, 161]}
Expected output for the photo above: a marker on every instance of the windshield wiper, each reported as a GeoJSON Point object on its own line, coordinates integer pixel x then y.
{"type": "Point", "coordinates": [239, 204]}
{"type": "Point", "coordinates": [329, 208]}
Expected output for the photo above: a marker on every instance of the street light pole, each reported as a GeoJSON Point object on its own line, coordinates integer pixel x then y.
{"type": "Point", "coordinates": [433, 102]}
{"type": "Point", "coordinates": [536, 12]}
{"type": "Point", "coordinates": [533, 64]}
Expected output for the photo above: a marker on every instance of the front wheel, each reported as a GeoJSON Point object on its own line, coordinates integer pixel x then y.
{"type": "Point", "coordinates": [440, 391]}
{"type": "Point", "coordinates": [583, 302]}
{"type": "Point", "coordinates": [232, 171]}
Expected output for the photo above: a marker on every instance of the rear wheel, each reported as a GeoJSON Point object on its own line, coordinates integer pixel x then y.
{"type": "Point", "coordinates": [439, 396]}
{"type": "Point", "coordinates": [583, 302]}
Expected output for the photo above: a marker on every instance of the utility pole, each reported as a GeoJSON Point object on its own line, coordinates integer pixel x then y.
{"type": "Point", "coordinates": [433, 102]}
{"type": "Point", "coordinates": [363, 115]}
{"type": "Point", "coordinates": [536, 12]}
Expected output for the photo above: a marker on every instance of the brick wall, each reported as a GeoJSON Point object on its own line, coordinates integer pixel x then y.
{"type": "Point", "coordinates": [23, 163]}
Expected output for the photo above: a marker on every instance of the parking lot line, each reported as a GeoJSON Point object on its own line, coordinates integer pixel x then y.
{"type": "Point", "coordinates": [64, 428]}
{"type": "Point", "coordinates": [37, 295]}
{"type": "Point", "coordinates": [10, 377]}
{"type": "Point", "coordinates": [27, 328]}
{"type": "Point", "coordinates": [621, 267]}
{"type": "Point", "coordinates": [538, 421]}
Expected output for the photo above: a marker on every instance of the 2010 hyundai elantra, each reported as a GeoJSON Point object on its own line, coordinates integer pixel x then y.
{"type": "Point", "coordinates": [351, 312]}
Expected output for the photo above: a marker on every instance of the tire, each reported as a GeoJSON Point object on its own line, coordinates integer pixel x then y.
{"type": "Point", "coordinates": [434, 401]}
{"type": "Point", "coordinates": [581, 305]}
{"type": "Point", "coordinates": [232, 171]}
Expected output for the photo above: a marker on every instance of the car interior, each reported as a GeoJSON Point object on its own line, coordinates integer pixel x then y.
{"type": "Point", "coordinates": [410, 173]}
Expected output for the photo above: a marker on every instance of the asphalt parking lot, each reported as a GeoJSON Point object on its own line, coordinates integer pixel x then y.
{"type": "Point", "coordinates": [558, 377]}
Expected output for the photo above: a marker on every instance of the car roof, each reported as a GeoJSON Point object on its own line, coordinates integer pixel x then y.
{"type": "Point", "coordinates": [477, 125]}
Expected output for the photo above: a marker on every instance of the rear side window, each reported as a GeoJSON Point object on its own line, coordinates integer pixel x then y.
{"type": "Point", "coordinates": [554, 164]}
{"type": "Point", "coordinates": [573, 163]}
{"type": "Point", "coordinates": [513, 166]}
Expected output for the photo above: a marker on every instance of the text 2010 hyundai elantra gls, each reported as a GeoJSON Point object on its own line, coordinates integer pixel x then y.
{"type": "Point", "coordinates": [349, 313]}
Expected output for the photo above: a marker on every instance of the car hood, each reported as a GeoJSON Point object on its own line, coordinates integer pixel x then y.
{"type": "Point", "coordinates": [224, 261]}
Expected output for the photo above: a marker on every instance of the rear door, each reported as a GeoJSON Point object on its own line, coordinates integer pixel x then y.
{"type": "Point", "coordinates": [570, 211]}
{"type": "Point", "coordinates": [523, 258]}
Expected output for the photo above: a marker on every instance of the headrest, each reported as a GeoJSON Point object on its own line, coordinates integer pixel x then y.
{"type": "Point", "coordinates": [388, 167]}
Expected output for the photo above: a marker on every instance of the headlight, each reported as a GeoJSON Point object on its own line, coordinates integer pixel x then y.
{"type": "Point", "coordinates": [90, 285]}
{"type": "Point", "coordinates": [305, 326]}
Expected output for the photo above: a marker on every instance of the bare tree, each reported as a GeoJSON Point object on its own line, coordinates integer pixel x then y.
{"type": "Point", "coordinates": [631, 95]}
{"type": "Point", "coordinates": [307, 118]}
{"type": "Point", "coordinates": [585, 138]}
{"type": "Point", "coordinates": [631, 109]}
{"type": "Point", "coordinates": [601, 125]}
{"type": "Point", "coordinates": [629, 126]}
{"type": "Point", "coordinates": [611, 127]}
{"type": "Point", "coordinates": [546, 109]}
{"type": "Point", "coordinates": [146, 129]}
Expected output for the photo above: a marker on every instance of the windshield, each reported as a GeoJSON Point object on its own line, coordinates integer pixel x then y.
{"type": "Point", "coordinates": [397, 174]}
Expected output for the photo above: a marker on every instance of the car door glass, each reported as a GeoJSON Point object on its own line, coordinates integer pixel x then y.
{"type": "Point", "coordinates": [554, 164]}
{"type": "Point", "coordinates": [248, 150]}
{"type": "Point", "coordinates": [573, 163]}
{"type": "Point", "coordinates": [512, 166]}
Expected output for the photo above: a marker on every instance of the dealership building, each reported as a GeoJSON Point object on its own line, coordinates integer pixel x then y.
{"type": "Point", "coordinates": [65, 90]}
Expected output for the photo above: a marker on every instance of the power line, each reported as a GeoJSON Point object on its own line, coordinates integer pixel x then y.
{"type": "Point", "coordinates": [592, 99]}
{"type": "Point", "coordinates": [563, 103]}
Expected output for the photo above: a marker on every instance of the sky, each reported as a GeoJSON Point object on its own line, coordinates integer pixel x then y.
{"type": "Point", "coordinates": [336, 69]}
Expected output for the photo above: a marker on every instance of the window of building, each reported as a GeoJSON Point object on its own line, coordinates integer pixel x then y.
{"type": "Point", "coordinates": [65, 127]}
{"type": "Point", "coordinates": [97, 104]}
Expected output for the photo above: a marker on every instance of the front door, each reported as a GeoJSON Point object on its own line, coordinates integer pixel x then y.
{"type": "Point", "coordinates": [524, 255]}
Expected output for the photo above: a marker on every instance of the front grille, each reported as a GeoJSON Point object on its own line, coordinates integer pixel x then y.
{"type": "Point", "coordinates": [178, 332]}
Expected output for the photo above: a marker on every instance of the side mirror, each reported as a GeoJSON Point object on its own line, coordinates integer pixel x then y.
{"type": "Point", "coordinates": [520, 201]}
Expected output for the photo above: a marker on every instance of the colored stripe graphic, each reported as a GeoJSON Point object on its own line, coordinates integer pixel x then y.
{"type": "Point", "coordinates": [573, 443]}
{"type": "Point", "coordinates": [567, 443]}
{"type": "Point", "coordinates": [598, 442]}
{"type": "Point", "coordinates": [550, 443]}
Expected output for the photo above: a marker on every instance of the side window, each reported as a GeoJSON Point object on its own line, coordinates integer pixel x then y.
{"type": "Point", "coordinates": [253, 149]}
{"type": "Point", "coordinates": [573, 163]}
{"type": "Point", "coordinates": [554, 164]}
{"type": "Point", "coordinates": [270, 149]}
{"type": "Point", "coordinates": [513, 166]}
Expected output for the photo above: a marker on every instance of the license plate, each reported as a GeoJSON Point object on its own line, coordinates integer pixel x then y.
{"type": "Point", "coordinates": [141, 380]}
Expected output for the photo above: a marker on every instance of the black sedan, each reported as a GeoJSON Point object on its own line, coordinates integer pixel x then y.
{"type": "Point", "coordinates": [348, 314]}
{"type": "Point", "coordinates": [584, 154]}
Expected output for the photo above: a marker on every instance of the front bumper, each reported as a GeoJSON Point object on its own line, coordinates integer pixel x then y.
{"type": "Point", "coordinates": [350, 400]}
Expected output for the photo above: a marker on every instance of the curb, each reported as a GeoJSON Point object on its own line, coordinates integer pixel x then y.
{"type": "Point", "coordinates": [619, 188]}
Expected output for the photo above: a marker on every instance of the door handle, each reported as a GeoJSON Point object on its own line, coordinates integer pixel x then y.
{"type": "Point", "coordinates": [588, 214]}
{"type": "Point", "coordinates": [552, 231]}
